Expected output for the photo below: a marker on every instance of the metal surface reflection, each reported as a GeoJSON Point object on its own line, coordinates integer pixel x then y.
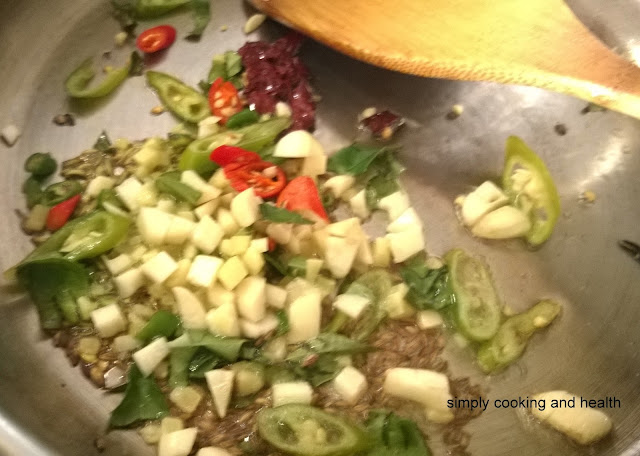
{"type": "Point", "coordinates": [593, 348]}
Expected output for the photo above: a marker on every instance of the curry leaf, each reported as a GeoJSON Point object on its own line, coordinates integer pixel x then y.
{"type": "Point", "coordinates": [143, 400]}
{"type": "Point", "coordinates": [392, 435]}
{"type": "Point", "coordinates": [354, 159]}
{"type": "Point", "coordinates": [283, 323]}
{"type": "Point", "coordinates": [276, 214]}
{"type": "Point", "coordinates": [276, 263]}
{"type": "Point", "coordinates": [228, 348]}
{"type": "Point", "coordinates": [317, 360]}
{"type": "Point", "coordinates": [328, 343]}
{"type": "Point", "coordinates": [161, 324]}
{"type": "Point", "coordinates": [428, 288]}
{"type": "Point", "coordinates": [203, 361]}
{"type": "Point", "coordinates": [54, 284]}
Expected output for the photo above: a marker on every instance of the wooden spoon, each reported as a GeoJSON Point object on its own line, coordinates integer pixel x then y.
{"type": "Point", "coordinates": [531, 42]}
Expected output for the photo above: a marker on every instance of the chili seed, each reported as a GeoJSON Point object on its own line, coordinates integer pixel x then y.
{"type": "Point", "coordinates": [157, 110]}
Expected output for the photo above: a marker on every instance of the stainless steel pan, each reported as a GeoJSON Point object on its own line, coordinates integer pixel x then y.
{"type": "Point", "coordinates": [46, 407]}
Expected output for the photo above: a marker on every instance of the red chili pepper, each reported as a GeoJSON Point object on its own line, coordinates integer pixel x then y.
{"type": "Point", "coordinates": [225, 155]}
{"type": "Point", "coordinates": [60, 213]}
{"type": "Point", "coordinates": [300, 195]}
{"type": "Point", "coordinates": [156, 39]}
{"type": "Point", "coordinates": [224, 100]}
{"type": "Point", "coordinates": [252, 174]}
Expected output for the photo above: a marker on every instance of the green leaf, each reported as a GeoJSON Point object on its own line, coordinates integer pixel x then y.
{"type": "Point", "coordinates": [54, 284]}
{"type": "Point", "coordinates": [267, 155]}
{"type": "Point", "coordinates": [283, 323]}
{"type": "Point", "coordinates": [394, 436]}
{"type": "Point", "coordinates": [374, 285]}
{"type": "Point", "coordinates": [233, 64]}
{"type": "Point", "coordinates": [381, 177]}
{"type": "Point", "coordinates": [161, 324]}
{"type": "Point", "coordinates": [328, 343]}
{"type": "Point", "coordinates": [276, 214]}
{"type": "Point", "coordinates": [297, 267]}
{"type": "Point", "coordinates": [354, 159]}
{"type": "Point", "coordinates": [275, 262]}
{"type": "Point", "coordinates": [428, 288]}
{"type": "Point", "coordinates": [201, 11]}
{"type": "Point", "coordinates": [203, 361]}
{"type": "Point", "coordinates": [179, 361]}
{"type": "Point", "coordinates": [170, 184]}
{"type": "Point", "coordinates": [315, 360]}
{"type": "Point", "coordinates": [228, 348]}
{"type": "Point", "coordinates": [143, 400]}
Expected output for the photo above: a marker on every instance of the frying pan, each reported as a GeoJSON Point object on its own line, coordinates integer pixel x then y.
{"type": "Point", "coordinates": [46, 407]}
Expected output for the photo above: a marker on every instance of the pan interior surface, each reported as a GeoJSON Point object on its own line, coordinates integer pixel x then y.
{"type": "Point", "coordinates": [47, 407]}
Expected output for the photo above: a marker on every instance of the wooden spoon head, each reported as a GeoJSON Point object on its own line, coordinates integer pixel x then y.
{"type": "Point", "coordinates": [539, 43]}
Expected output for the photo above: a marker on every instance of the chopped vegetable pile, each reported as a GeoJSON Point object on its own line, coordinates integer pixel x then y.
{"type": "Point", "coordinates": [208, 270]}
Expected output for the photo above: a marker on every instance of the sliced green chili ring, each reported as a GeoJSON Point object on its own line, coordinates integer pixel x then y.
{"type": "Point", "coordinates": [252, 137]}
{"type": "Point", "coordinates": [92, 236]}
{"type": "Point", "coordinates": [40, 165]}
{"type": "Point", "coordinates": [529, 184]}
{"type": "Point", "coordinates": [77, 84]}
{"type": "Point", "coordinates": [295, 428]}
{"type": "Point", "coordinates": [242, 119]}
{"type": "Point", "coordinates": [477, 307]}
{"type": "Point", "coordinates": [108, 195]}
{"type": "Point", "coordinates": [162, 323]}
{"type": "Point", "coordinates": [169, 184]}
{"type": "Point", "coordinates": [182, 100]}
{"type": "Point", "coordinates": [146, 9]}
{"type": "Point", "coordinates": [32, 192]}
{"type": "Point", "coordinates": [511, 339]}
{"type": "Point", "coordinates": [61, 191]}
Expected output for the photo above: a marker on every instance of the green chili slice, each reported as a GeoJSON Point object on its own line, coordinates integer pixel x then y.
{"type": "Point", "coordinates": [161, 323]}
{"type": "Point", "coordinates": [305, 430]}
{"type": "Point", "coordinates": [242, 119]}
{"type": "Point", "coordinates": [77, 84]}
{"type": "Point", "coordinates": [511, 339]}
{"type": "Point", "coordinates": [94, 235]}
{"type": "Point", "coordinates": [108, 195]}
{"type": "Point", "coordinates": [32, 192]}
{"type": "Point", "coordinates": [146, 9]}
{"type": "Point", "coordinates": [61, 191]}
{"type": "Point", "coordinates": [185, 102]}
{"type": "Point", "coordinates": [40, 165]}
{"type": "Point", "coordinates": [252, 137]}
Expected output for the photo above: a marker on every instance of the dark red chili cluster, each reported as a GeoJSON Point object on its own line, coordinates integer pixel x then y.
{"type": "Point", "coordinates": [275, 73]}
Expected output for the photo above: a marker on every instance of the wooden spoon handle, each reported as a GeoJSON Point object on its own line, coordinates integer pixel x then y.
{"type": "Point", "coordinates": [530, 42]}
